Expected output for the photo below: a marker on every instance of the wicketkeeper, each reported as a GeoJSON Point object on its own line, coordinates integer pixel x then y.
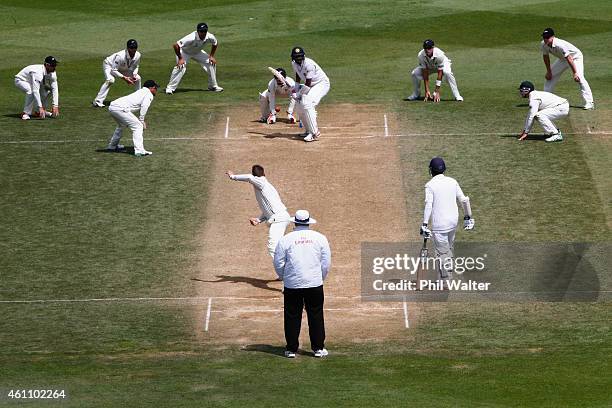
{"type": "Point", "coordinates": [267, 98]}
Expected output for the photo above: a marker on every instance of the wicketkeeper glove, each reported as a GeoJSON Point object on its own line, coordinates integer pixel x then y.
{"type": "Point", "coordinates": [425, 232]}
{"type": "Point", "coordinates": [468, 223]}
{"type": "Point", "coordinates": [271, 119]}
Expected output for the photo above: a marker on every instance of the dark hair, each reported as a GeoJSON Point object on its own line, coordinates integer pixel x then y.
{"type": "Point", "coordinates": [258, 171]}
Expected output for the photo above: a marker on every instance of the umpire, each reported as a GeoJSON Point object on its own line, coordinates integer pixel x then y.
{"type": "Point", "coordinates": [302, 260]}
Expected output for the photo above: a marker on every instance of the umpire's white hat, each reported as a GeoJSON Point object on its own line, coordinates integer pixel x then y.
{"type": "Point", "coordinates": [302, 217]}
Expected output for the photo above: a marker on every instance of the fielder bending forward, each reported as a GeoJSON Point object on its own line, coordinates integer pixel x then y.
{"type": "Point", "coordinates": [39, 82]}
{"type": "Point", "coordinates": [122, 64]}
{"type": "Point", "coordinates": [272, 208]}
{"type": "Point", "coordinates": [267, 98]}
{"type": "Point", "coordinates": [316, 86]}
{"type": "Point", "coordinates": [122, 111]}
{"type": "Point", "coordinates": [544, 107]}
{"type": "Point", "coordinates": [441, 195]}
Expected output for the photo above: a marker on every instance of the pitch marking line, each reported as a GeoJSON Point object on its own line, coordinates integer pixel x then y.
{"type": "Point", "coordinates": [386, 127]}
{"type": "Point", "coordinates": [208, 315]}
{"type": "Point", "coordinates": [227, 128]}
{"type": "Point", "coordinates": [330, 309]}
{"type": "Point", "coordinates": [406, 321]}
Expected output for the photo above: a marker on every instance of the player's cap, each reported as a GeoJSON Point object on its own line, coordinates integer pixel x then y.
{"type": "Point", "coordinates": [132, 44]}
{"type": "Point", "coordinates": [302, 217]}
{"type": "Point", "coordinates": [526, 86]}
{"type": "Point", "coordinates": [202, 27]}
{"type": "Point", "coordinates": [51, 61]}
{"type": "Point", "coordinates": [548, 32]}
{"type": "Point", "coordinates": [437, 165]}
{"type": "Point", "coordinates": [282, 72]}
{"type": "Point", "coordinates": [149, 83]}
{"type": "Point", "coordinates": [428, 44]}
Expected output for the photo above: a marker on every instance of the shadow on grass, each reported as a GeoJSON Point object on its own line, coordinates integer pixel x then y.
{"type": "Point", "coordinates": [184, 90]}
{"type": "Point", "coordinates": [266, 348]}
{"type": "Point", "coordinates": [279, 135]}
{"type": "Point", "coordinates": [531, 138]}
{"type": "Point", "coordinates": [13, 115]}
{"type": "Point", "coordinates": [258, 283]}
{"type": "Point", "coordinates": [126, 150]}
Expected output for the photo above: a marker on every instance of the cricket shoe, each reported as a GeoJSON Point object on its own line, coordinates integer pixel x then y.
{"type": "Point", "coordinates": [321, 353]}
{"type": "Point", "coordinates": [459, 98]}
{"type": "Point", "coordinates": [412, 97]}
{"type": "Point", "coordinates": [289, 354]}
{"type": "Point", "coordinates": [169, 91]}
{"type": "Point", "coordinates": [142, 154]}
{"type": "Point", "coordinates": [116, 148]}
{"type": "Point", "coordinates": [25, 116]}
{"type": "Point", "coordinates": [589, 106]}
{"type": "Point", "coordinates": [303, 135]}
{"type": "Point", "coordinates": [557, 137]}
{"type": "Point", "coordinates": [97, 104]}
{"type": "Point", "coordinates": [291, 119]}
{"type": "Point", "coordinates": [215, 89]}
{"type": "Point", "coordinates": [312, 138]}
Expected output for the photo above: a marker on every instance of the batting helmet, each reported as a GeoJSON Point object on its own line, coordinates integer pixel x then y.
{"type": "Point", "coordinates": [297, 54]}
{"type": "Point", "coordinates": [437, 166]}
{"type": "Point", "coordinates": [525, 87]}
{"type": "Point", "coordinates": [428, 44]}
{"type": "Point", "coordinates": [132, 44]}
{"type": "Point", "coordinates": [282, 72]}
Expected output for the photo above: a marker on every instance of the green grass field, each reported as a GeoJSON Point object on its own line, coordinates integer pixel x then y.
{"type": "Point", "coordinates": [79, 223]}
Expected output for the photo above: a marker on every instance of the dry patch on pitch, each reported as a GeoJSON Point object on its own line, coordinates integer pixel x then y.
{"type": "Point", "coordinates": [351, 183]}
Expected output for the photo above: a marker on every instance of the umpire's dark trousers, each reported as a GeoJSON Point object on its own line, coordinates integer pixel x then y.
{"type": "Point", "coordinates": [295, 300]}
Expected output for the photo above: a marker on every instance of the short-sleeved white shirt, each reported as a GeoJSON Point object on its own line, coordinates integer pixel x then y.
{"type": "Point", "coordinates": [310, 70]}
{"type": "Point", "coordinates": [436, 62]}
{"type": "Point", "coordinates": [121, 61]}
{"type": "Point", "coordinates": [561, 49]}
{"type": "Point", "coordinates": [192, 44]}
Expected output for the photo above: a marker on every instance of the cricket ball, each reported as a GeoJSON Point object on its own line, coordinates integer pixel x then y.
{"type": "Point", "coordinates": [277, 109]}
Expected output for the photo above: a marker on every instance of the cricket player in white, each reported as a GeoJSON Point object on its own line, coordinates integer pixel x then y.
{"type": "Point", "coordinates": [568, 57]}
{"type": "Point", "coordinates": [122, 110]}
{"type": "Point", "coordinates": [190, 47]}
{"type": "Point", "coordinates": [123, 64]}
{"type": "Point", "coordinates": [544, 107]}
{"type": "Point", "coordinates": [39, 82]}
{"type": "Point", "coordinates": [273, 211]}
{"type": "Point", "coordinates": [441, 196]}
{"type": "Point", "coordinates": [267, 98]}
{"type": "Point", "coordinates": [433, 60]}
{"type": "Point", "coordinates": [316, 86]}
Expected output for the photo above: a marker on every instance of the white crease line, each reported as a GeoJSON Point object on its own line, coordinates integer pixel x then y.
{"type": "Point", "coordinates": [227, 128]}
{"type": "Point", "coordinates": [386, 127]}
{"type": "Point", "coordinates": [406, 321]}
{"type": "Point", "coordinates": [208, 315]}
{"type": "Point", "coordinates": [338, 309]}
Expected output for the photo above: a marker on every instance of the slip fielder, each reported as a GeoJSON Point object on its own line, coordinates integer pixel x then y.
{"type": "Point", "coordinates": [38, 82]}
{"type": "Point", "coordinates": [123, 64]}
{"type": "Point", "coordinates": [267, 98]}
{"type": "Point", "coordinates": [441, 196]}
{"type": "Point", "coordinates": [273, 211]}
{"type": "Point", "coordinates": [543, 107]}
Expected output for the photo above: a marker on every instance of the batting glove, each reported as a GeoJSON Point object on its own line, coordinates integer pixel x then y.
{"type": "Point", "coordinates": [468, 223]}
{"type": "Point", "coordinates": [271, 119]}
{"type": "Point", "coordinates": [425, 232]}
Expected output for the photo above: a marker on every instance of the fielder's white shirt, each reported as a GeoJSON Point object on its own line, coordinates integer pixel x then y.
{"type": "Point", "coordinates": [266, 195]}
{"type": "Point", "coordinates": [441, 195]}
{"type": "Point", "coordinates": [134, 102]}
{"type": "Point", "coordinates": [540, 100]}
{"type": "Point", "coordinates": [37, 76]}
{"type": "Point", "coordinates": [310, 70]}
{"type": "Point", "coordinates": [302, 258]}
{"type": "Point", "coordinates": [121, 64]}
{"type": "Point", "coordinates": [192, 44]}
{"type": "Point", "coordinates": [275, 89]}
{"type": "Point", "coordinates": [561, 49]}
{"type": "Point", "coordinates": [436, 62]}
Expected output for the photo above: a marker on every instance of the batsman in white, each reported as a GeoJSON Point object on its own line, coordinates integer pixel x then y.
{"type": "Point", "coordinates": [568, 57]}
{"type": "Point", "coordinates": [441, 195]}
{"type": "Point", "coordinates": [122, 110]}
{"type": "Point", "coordinates": [267, 98]}
{"type": "Point", "coordinates": [544, 107]}
{"type": "Point", "coordinates": [39, 82]}
{"type": "Point", "coordinates": [190, 47]}
{"type": "Point", "coordinates": [122, 64]}
{"type": "Point", "coordinates": [316, 86]}
{"type": "Point", "coordinates": [433, 60]}
{"type": "Point", "coordinates": [273, 211]}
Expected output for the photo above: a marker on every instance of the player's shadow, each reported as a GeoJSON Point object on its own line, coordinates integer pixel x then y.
{"type": "Point", "coordinates": [184, 90]}
{"type": "Point", "coordinates": [13, 115]}
{"type": "Point", "coordinates": [258, 283]}
{"type": "Point", "coordinates": [269, 349]}
{"type": "Point", "coordinates": [522, 105]}
{"type": "Point", "coordinates": [531, 138]}
{"type": "Point", "coordinates": [127, 150]}
{"type": "Point", "coordinates": [279, 135]}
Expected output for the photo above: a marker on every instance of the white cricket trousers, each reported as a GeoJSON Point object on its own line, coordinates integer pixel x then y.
{"type": "Point", "coordinates": [443, 249]}
{"type": "Point", "coordinates": [201, 58]}
{"type": "Point", "coordinates": [267, 102]}
{"type": "Point", "coordinates": [26, 86]}
{"type": "Point", "coordinates": [125, 118]}
{"type": "Point", "coordinates": [109, 80]}
{"type": "Point", "coordinates": [558, 67]}
{"type": "Point", "coordinates": [308, 103]}
{"type": "Point", "coordinates": [546, 116]}
{"type": "Point", "coordinates": [278, 225]}
{"type": "Point", "coordinates": [417, 77]}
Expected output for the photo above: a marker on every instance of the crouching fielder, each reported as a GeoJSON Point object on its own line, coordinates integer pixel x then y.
{"type": "Point", "coordinates": [272, 208]}
{"type": "Point", "coordinates": [441, 195]}
{"type": "Point", "coordinates": [122, 64]}
{"type": "Point", "coordinates": [267, 98]}
{"type": "Point", "coordinates": [38, 82]}
{"type": "Point", "coordinates": [544, 107]}
{"type": "Point", "coordinates": [122, 110]}
{"type": "Point", "coordinates": [316, 86]}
